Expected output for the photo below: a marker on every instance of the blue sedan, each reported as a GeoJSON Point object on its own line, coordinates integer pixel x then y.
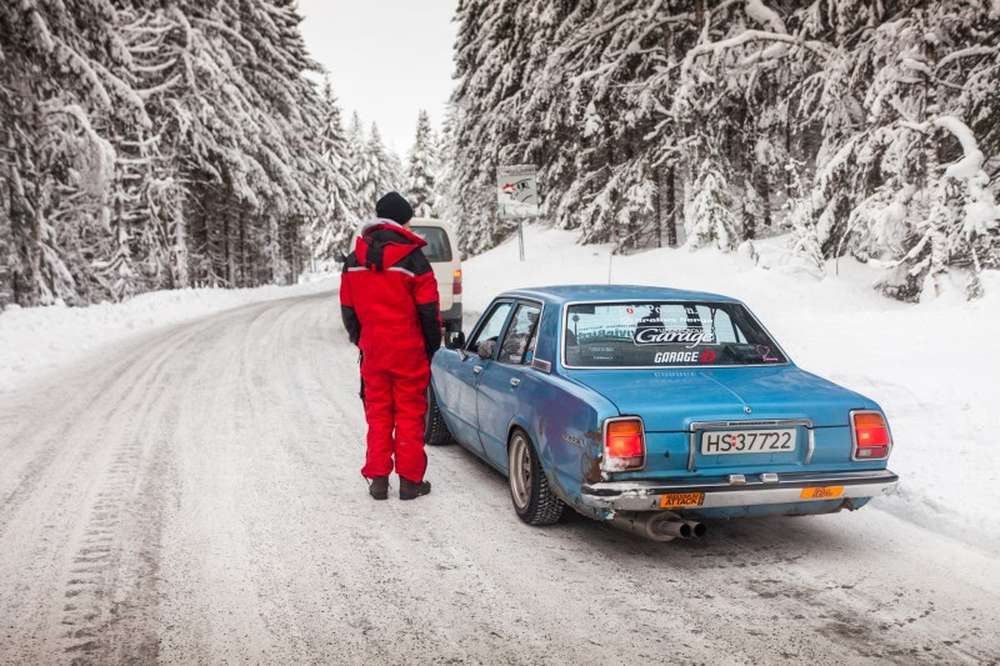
{"type": "Point", "coordinates": [654, 409]}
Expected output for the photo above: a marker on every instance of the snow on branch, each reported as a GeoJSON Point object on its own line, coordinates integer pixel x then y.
{"type": "Point", "coordinates": [970, 52]}
{"type": "Point", "coordinates": [764, 15]}
{"type": "Point", "coordinates": [972, 162]}
{"type": "Point", "coordinates": [99, 161]}
{"type": "Point", "coordinates": [749, 36]}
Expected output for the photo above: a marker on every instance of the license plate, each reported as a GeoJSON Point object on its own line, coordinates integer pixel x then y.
{"type": "Point", "coordinates": [822, 492]}
{"type": "Point", "coordinates": [728, 442]}
{"type": "Point", "coordinates": [680, 500]}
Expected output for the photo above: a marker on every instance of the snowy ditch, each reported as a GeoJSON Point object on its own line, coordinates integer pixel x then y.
{"type": "Point", "coordinates": [36, 340]}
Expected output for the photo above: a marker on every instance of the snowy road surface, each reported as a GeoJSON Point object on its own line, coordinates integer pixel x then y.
{"type": "Point", "coordinates": [193, 495]}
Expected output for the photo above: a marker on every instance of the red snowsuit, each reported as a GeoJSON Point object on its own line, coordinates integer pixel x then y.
{"type": "Point", "coordinates": [389, 302]}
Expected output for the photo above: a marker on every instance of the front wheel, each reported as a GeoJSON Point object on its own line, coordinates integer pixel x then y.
{"type": "Point", "coordinates": [436, 431]}
{"type": "Point", "coordinates": [534, 501]}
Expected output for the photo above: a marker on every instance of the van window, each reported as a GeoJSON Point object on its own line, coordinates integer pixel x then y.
{"type": "Point", "coordinates": [438, 248]}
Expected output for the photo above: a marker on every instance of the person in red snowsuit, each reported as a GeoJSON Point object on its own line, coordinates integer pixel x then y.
{"type": "Point", "coordinates": [389, 303]}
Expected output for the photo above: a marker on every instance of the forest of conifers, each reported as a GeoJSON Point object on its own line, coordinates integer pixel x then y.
{"type": "Point", "coordinates": [862, 127]}
{"type": "Point", "coordinates": [148, 145]}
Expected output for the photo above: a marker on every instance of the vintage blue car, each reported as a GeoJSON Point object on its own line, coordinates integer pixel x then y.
{"type": "Point", "coordinates": [652, 408]}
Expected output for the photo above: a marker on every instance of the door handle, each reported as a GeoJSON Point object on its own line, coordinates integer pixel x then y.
{"type": "Point", "coordinates": [514, 382]}
{"type": "Point", "coordinates": [476, 369]}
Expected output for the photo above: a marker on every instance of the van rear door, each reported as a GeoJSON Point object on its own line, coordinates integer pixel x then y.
{"type": "Point", "coordinates": [439, 253]}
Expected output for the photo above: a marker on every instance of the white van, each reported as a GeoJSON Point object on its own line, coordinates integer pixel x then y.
{"type": "Point", "coordinates": [442, 252]}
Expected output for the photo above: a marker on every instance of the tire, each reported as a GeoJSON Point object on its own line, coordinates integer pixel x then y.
{"type": "Point", "coordinates": [436, 431]}
{"type": "Point", "coordinates": [530, 493]}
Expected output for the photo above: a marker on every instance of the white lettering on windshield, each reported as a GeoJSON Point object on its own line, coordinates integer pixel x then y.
{"type": "Point", "coordinates": [663, 336]}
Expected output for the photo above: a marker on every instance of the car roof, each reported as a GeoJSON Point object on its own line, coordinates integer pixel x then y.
{"type": "Point", "coordinates": [559, 295]}
{"type": "Point", "coordinates": [430, 222]}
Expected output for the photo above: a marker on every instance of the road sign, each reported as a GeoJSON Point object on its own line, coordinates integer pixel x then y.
{"type": "Point", "coordinates": [517, 196]}
{"type": "Point", "coordinates": [517, 191]}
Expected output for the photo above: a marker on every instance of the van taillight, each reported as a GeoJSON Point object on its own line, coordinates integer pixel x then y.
{"type": "Point", "coordinates": [624, 444]}
{"type": "Point", "coordinates": [456, 285]}
{"type": "Point", "coordinates": [872, 440]}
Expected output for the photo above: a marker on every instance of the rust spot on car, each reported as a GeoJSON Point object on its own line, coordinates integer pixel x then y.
{"type": "Point", "coordinates": [591, 469]}
{"type": "Point", "coordinates": [593, 435]}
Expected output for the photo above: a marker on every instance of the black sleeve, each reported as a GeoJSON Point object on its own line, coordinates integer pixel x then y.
{"type": "Point", "coordinates": [430, 326]}
{"type": "Point", "coordinates": [351, 323]}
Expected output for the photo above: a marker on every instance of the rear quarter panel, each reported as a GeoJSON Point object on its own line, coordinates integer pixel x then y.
{"type": "Point", "coordinates": [564, 420]}
{"type": "Point", "coordinates": [562, 417]}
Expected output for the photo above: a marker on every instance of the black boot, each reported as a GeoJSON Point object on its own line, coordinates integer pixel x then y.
{"type": "Point", "coordinates": [409, 490]}
{"type": "Point", "coordinates": [378, 487]}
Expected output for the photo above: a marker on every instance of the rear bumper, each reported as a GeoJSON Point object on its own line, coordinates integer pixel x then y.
{"type": "Point", "coordinates": [721, 493]}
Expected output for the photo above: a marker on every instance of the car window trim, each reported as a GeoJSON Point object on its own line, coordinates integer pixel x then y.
{"type": "Point", "coordinates": [473, 339]}
{"type": "Point", "coordinates": [519, 302]}
{"type": "Point", "coordinates": [564, 325]}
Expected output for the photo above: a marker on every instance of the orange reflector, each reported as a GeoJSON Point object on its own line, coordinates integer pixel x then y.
{"type": "Point", "coordinates": [680, 500]}
{"type": "Point", "coordinates": [456, 285]}
{"type": "Point", "coordinates": [822, 492]}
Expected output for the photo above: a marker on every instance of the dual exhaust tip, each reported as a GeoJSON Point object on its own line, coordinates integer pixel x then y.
{"type": "Point", "coordinates": [659, 526]}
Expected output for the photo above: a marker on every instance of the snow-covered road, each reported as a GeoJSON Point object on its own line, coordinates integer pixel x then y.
{"type": "Point", "coordinates": [192, 495]}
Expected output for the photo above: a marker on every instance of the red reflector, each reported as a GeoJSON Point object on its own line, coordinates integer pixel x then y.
{"type": "Point", "coordinates": [871, 436]}
{"type": "Point", "coordinates": [456, 285]}
{"type": "Point", "coordinates": [623, 445]}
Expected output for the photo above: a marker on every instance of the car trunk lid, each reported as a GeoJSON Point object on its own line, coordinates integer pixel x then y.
{"type": "Point", "coordinates": [674, 403]}
{"type": "Point", "coordinates": [671, 399]}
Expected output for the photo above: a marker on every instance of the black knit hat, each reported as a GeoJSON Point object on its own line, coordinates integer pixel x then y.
{"type": "Point", "coordinates": [394, 207]}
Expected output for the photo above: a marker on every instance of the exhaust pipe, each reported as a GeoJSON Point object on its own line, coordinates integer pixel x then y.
{"type": "Point", "coordinates": [657, 526]}
{"type": "Point", "coordinates": [697, 529]}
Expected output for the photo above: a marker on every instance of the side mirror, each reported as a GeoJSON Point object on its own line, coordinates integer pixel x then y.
{"type": "Point", "coordinates": [454, 340]}
{"type": "Point", "coordinates": [486, 349]}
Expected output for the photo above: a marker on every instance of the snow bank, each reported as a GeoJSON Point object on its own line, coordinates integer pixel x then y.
{"type": "Point", "coordinates": [931, 366]}
{"type": "Point", "coordinates": [34, 340]}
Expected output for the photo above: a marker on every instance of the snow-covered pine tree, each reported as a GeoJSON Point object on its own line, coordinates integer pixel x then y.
{"type": "Point", "coordinates": [421, 181]}
{"type": "Point", "coordinates": [378, 173]}
{"type": "Point", "coordinates": [331, 232]}
{"type": "Point", "coordinates": [710, 217]}
{"type": "Point", "coordinates": [61, 88]}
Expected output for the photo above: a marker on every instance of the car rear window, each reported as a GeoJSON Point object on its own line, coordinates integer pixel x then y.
{"type": "Point", "coordinates": [658, 334]}
{"type": "Point", "coordinates": [438, 248]}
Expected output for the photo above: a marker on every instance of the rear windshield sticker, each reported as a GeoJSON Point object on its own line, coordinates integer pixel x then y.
{"type": "Point", "coordinates": [690, 337]}
{"type": "Point", "coordinates": [676, 357]}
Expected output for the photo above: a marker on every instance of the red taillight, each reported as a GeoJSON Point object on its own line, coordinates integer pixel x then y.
{"type": "Point", "coordinates": [871, 436]}
{"type": "Point", "coordinates": [624, 445]}
{"type": "Point", "coordinates": [456, 285]}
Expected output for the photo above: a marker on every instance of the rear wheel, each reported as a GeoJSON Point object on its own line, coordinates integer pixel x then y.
{"type": "Point", "coordinates": [436, 431]}
{"type": "Point", "coordinates": [534, 501]}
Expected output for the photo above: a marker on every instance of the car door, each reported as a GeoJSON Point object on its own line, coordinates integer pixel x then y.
{"type": "Point", "coordinates": [499, 382]}
{"type": "Point", "coordinates": [462, 390]}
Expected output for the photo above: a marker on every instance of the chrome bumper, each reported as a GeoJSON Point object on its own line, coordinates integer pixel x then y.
{"type": "Point", "coordinates": [723, 492]}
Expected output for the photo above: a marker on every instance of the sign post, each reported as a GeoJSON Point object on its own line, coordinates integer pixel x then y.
{"type": "Point", "coordinates": [517, 196]}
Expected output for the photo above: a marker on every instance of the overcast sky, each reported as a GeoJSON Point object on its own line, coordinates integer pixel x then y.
{"type": "Point", "coordinates": [386, 58]}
